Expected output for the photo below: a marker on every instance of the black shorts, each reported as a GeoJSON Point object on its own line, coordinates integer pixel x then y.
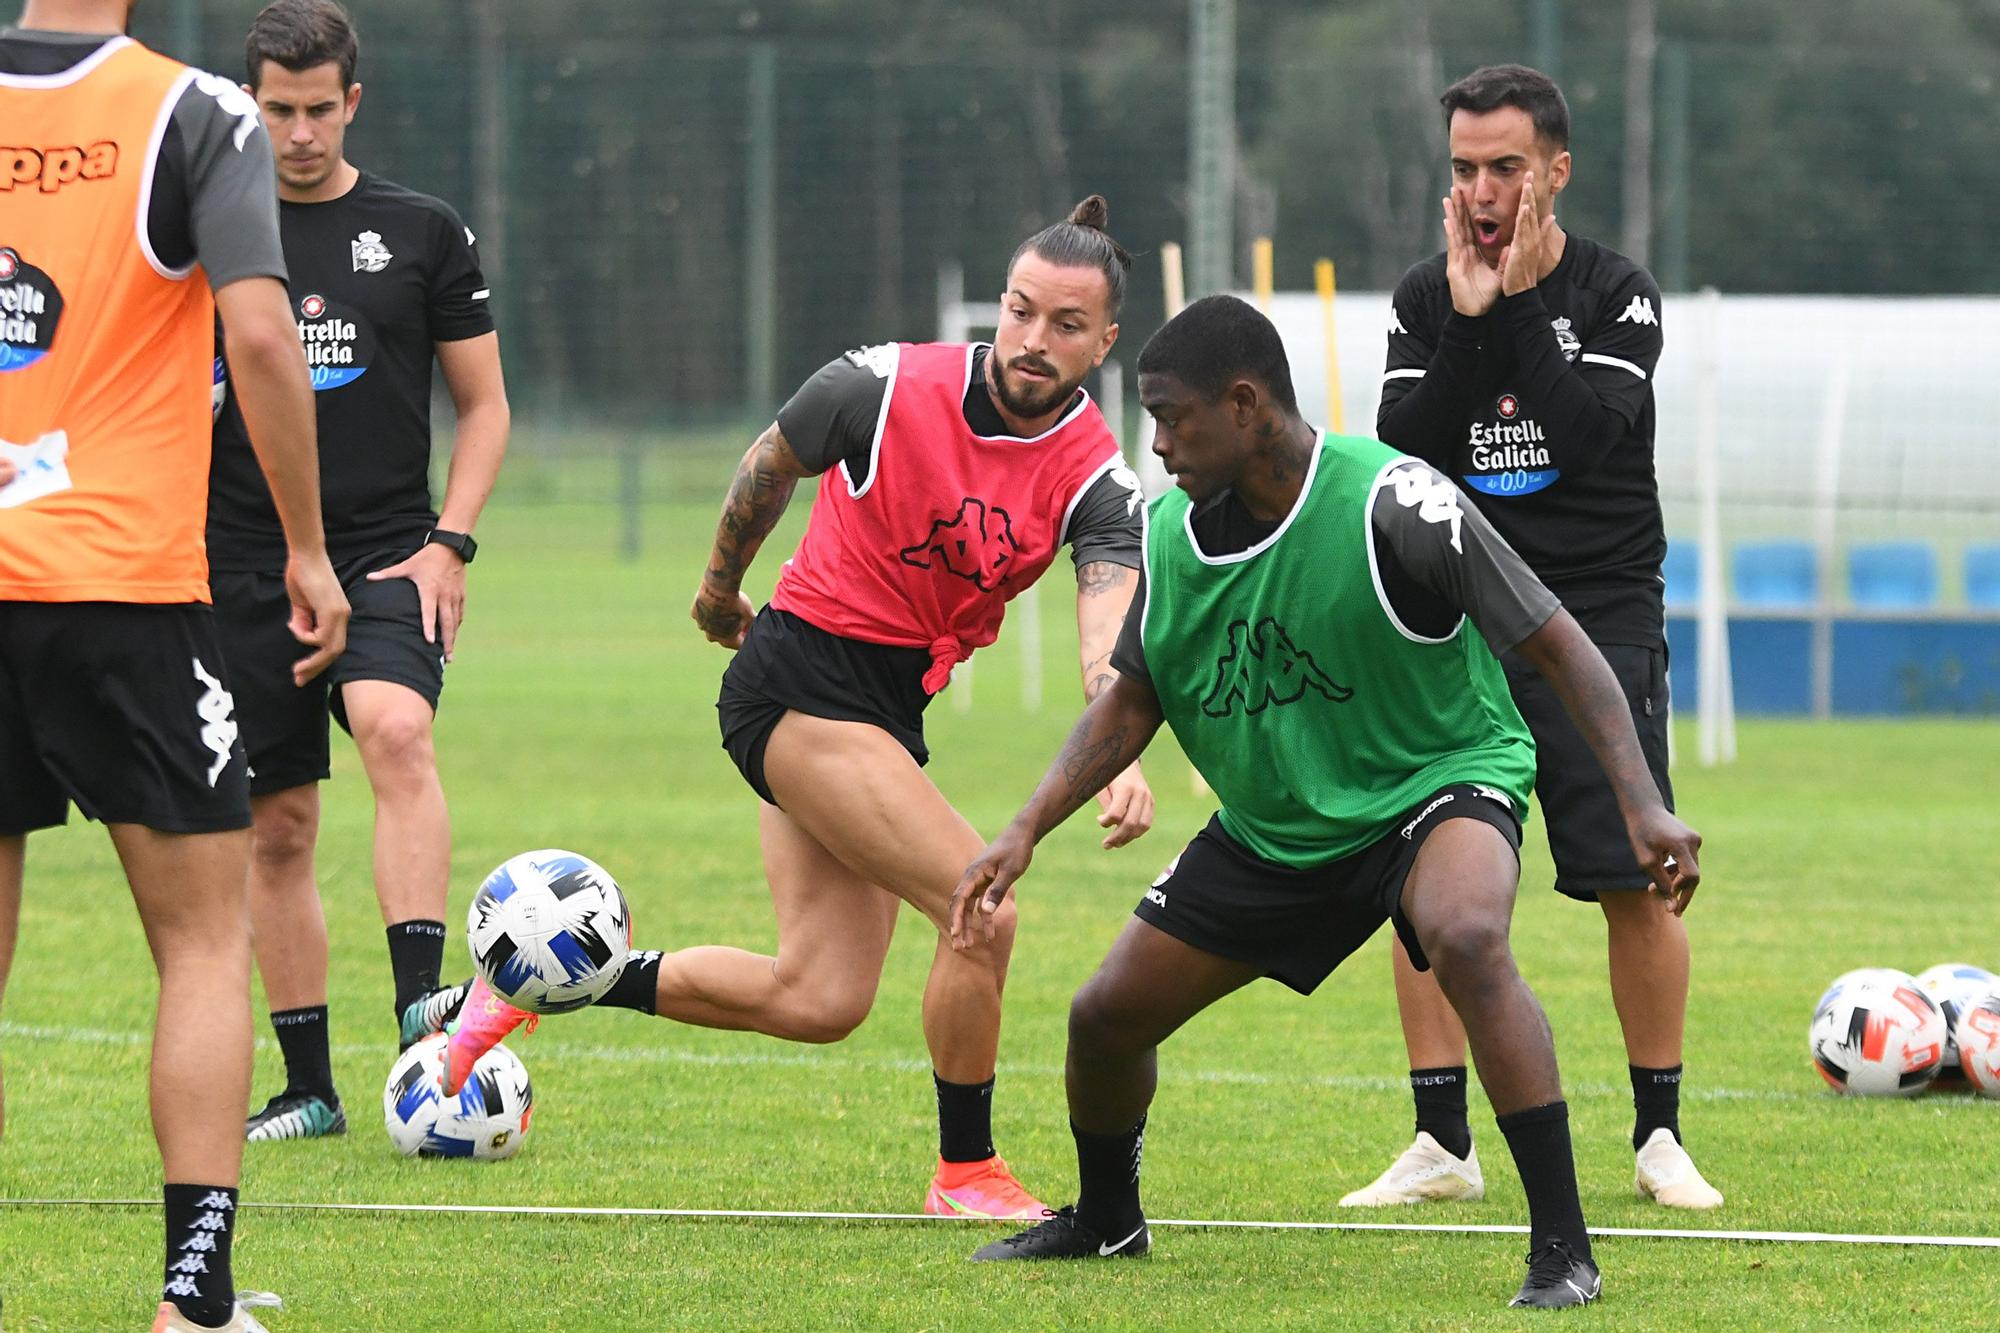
{"type": "Point", "coordinates": [285, 725]}
{"type": "Point", "coordinates": [1585, 830]}
{"type": "Point", "coordinates": [1297, 925]}
{"type": "Point", "coordinates": [787, 664]}
{"type": "Point", "coordinates": [121, 708]}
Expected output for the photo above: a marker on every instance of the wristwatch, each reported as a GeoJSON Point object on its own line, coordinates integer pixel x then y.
{"type": "Point", "coordinates": [461, 543]}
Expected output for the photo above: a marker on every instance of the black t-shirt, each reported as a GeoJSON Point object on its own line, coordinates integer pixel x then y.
{"type": "Point", "coordinates": [378, 277]}
{"type": "Point", "coordinates": [831, 420]}
{"type": "Point", "coordinates": [1434, 572]}
{"type": "Point", "coordinates": [1543, 410]}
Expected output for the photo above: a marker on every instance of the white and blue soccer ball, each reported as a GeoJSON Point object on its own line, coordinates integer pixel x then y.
{"type": "Point", "coordinates": [549, 931]}
{"type": "Point", "coordinates": [488, 1119]}
{"type": "Point", "coordinates": [1877, 1033]}
{"type": "Point", "coordinates": [1956, 987]}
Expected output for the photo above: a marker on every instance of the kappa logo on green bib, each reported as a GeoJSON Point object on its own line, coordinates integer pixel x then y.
{"type": "Point", "coordinates": [1262, 668]}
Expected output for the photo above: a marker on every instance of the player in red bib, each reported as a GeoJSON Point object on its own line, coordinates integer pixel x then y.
{"type": "Point", "coordinates": [952, 475]}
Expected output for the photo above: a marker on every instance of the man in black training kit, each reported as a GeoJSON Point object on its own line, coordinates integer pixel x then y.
{"type": "Point", "coordinates": [382, 279]}
{"type": "Point", "coordinates": [1301, 625]}
{"type": "Point", "coordinates": [1521, 364]}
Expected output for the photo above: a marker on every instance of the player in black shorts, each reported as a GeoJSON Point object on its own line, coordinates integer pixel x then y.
{"type": "Point", "coordinates": [1521, 364]}
{"type": "Point", "coordinates": [382, 280]}
{"type": "Point", "coordinates": [113, 693]}
{"type": "Point", "coordinates": [1317, 625]}
{"type": "Point", "coordinates": [950, 477]}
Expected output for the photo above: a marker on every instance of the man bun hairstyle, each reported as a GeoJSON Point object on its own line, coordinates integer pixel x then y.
{"type": "Point", "coordinates": [1217, 341]}
{"type": "Point", "coordinates": [301, 35]}
{"type": "Point", "coordinates": [1081, 241]}
{"type": "Point", "coordinates": [1495, 86]}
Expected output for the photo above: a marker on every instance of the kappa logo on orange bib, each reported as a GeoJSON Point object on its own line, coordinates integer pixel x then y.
{"type": "Point", "coordinates": [49, 169]}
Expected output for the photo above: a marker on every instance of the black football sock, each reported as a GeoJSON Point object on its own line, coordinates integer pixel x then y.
{"type": "Point", "coordinates": [1107, 1168]}
{"type": "Point", "coordinates": [201, 1220]}
{"type": "Point", "coordinates": [965, 1120]}
{"type": "Point", "coordinates": [1539, 1140]}
{"type": "Point", "coordinates": [1656, 1096]}
{"type": "Point", "coordinates": [416, 954]}
{"type": "Point", "coordinates": [637, 987]}
{"type": "Point", "coordinates": [302, 1037]}
{"type": "Point", "coordinates": [1440, 1097]}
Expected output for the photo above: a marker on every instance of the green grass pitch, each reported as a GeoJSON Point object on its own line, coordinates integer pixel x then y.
{"type": "Point", "coordinates": [580, 713]}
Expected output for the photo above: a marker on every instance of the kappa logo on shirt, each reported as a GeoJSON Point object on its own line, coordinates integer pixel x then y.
{"type": "Point", "coordinates": [976, 543]}
{"type": "Point", "coordinates": [1264, 667]}
{"type": "Point", "coordinates": [370, 255]}
{"type": "Point", "coordinates": [1639, 312]}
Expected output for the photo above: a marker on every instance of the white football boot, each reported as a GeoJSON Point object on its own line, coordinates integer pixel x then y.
{"type": "Point", "coordinates": [1667, 1175]}
{"type": "Point", "coordinates": [1425, 1173]}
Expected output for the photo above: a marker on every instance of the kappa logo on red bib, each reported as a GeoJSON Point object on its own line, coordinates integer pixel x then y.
{"type": "Point", "coordinates": [977, 543]}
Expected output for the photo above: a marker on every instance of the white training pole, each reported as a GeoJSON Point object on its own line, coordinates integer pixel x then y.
{"type": "Point", "coordinates": [1826, 495]}
{"type": "Point", "coordinates": [1712, 666]}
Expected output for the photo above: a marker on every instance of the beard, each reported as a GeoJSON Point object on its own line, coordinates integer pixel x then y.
{"type": "Point", "coordinates": [1031, 404]}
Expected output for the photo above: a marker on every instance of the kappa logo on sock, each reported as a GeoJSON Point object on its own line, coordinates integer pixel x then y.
{"type": "Point", "coordinates": [182, 1286]}
{"type": "Point", "coordinates": [188, 1263]}
{"type": "Point", "coordinates": [200, 1242]}
{"type": "Point", "coordinates": [210, 1222]}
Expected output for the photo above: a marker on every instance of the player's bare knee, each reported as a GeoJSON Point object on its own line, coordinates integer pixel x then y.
{"type": "Point", "coordinates": [1470, 952]}
{"type": "Point", "coordinates": [824, 1019]}
{"type": "Point", "coordinates": [396, 747]}
{"type": "Point", "coordinates": [286, 828]}
{"type": "Point", "coordinates": [1102, 1021]}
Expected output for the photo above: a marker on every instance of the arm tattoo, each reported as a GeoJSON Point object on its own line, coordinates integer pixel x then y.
{"type": "Point", "coordinates": [1097, 685]}
{"type": "Point", "coordinates": [1099, 577]}
{"type": "Point", "coordinates": [757, 498]}
{"type": "Point", "coordinates": [1090, 763]}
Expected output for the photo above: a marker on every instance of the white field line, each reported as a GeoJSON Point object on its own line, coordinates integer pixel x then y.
{"type": "Point", "coordinates": [819, 1058]}
{"type": "Point", "coordinates": [761, 1214]}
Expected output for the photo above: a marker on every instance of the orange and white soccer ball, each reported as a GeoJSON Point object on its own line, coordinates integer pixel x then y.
{"type": "Point", "coordinates": [1876, 1033]}
{"type": "Point", "coordinates": [1979, 1045]}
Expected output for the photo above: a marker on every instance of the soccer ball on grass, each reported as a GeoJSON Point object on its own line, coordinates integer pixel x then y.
{"type": "Point", "coordinates": [1876, 1033]}
{"type": "Point", "coordinates": [486, 1121]}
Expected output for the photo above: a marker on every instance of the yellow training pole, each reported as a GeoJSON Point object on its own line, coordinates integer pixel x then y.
{"type": "Point", "coordinates": [1260, 269]}
{"type": "Point", "coordinates": [1335, 410]}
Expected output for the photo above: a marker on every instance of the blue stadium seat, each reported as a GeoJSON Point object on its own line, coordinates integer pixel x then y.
{"type": "Point", "coordinates": [1982, 577]}
{"type": "Point", "coordinates": [1775, 575]}
{"type": "Point", "coordinates": [1893, 576]}
{"type": "Point", "coordinates": [1683, 572]}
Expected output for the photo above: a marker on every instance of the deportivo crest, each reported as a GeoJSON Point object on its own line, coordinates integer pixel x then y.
{"type": "Point", "coordinates": [1509, 406]}
{"type": "Point", "coordinates": [1264, 667]}
{"type": "Point", "coordinates": [370, 255]}
{"type": "Point", "coordinates": [976, 543]}
{"type": "Point", "coordinates": [1568, 341]}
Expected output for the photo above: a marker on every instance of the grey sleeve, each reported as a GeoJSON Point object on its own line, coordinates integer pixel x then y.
{"type": "Point", "coordinates": [1106, 523]}
{"type": "Point", "coordinates": [832, 417]}
{"type": "Point", "coordinates": [1438, 553]}
{"type": "Point", "coordinates": [1128, 655]}
{"type": "Point", "coordinates": [232, 185]}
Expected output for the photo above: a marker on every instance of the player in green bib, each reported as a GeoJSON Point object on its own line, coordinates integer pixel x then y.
{"type": "Point", "coordinates": [1318, 624]}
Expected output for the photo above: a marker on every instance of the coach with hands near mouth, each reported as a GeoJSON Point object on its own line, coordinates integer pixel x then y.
{"type": "Point", "coordinates": [1520, 363]}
